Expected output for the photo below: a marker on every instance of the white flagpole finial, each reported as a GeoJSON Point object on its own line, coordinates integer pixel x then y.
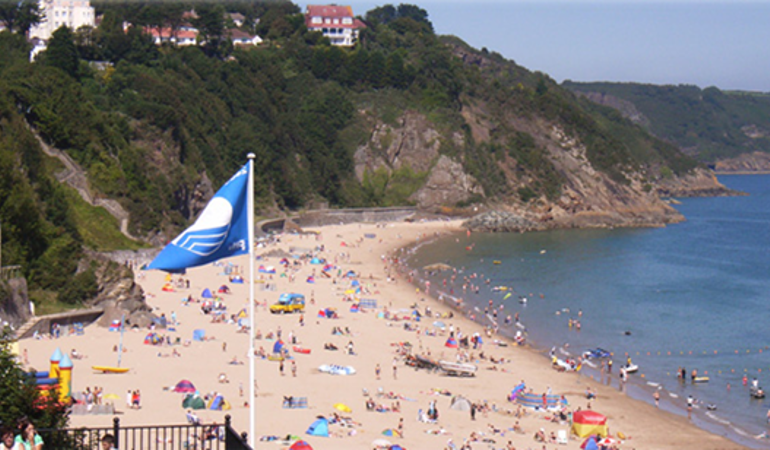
{"type": "Point", "coordinates": [251, 156]}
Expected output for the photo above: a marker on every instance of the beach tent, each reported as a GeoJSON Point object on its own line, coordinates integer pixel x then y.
{"type": "Point", "coordinates": [451, 343]}
{"type": "Point", "coordinates": [184, 386]}
{"type": "Point", "coordinates": [242, 314]}
{"type": "Point", "coordinates": [207, 293]}
{"type": "Point", "coordinates": [391, 432]}
{"type": "Point", "coordinates": [219, 403]}
{"type": "Point", "coordinates": [199, 335]}
{"type": "Point", "coordinates": [396, 447]}
{"type": "Point", "coordinates": [115, 325]}
{"type": "Point", "coordinates": [300, 445]}
{"type": "Point", "coordinates": [237, 279]}
{"type": "Point", "coordinates": [590, 444]}
{"type": "Point", "coordinates": [351, 274]}
{"type": "Point", "coordinates": [355, 283]}
{"type": "Point", "coordinates": [460, 403]}
{"type": "Point", "coordinates": [319, 428]}
{"type": "Point", "coordinates": [223, 289]}
{"type": "Point", "coordinates": [354, 308]}
{"type": "Point", "coordinates": [167, 288]}
{"type": "Point", "coordinates": [587, 422]}
{"type": "Point", "coordinates": [153, 339]}
{"type": "Point", "coordinates": [278, 346]}
{"type": "Point", "coordinates": [316, 261]}
{"type": "Point", "coordinates": [193, 402]}
{"type": "Point", "coordinates": [310, 279]}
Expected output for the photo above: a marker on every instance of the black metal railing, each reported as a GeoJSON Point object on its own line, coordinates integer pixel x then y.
{"type": "Point", "coordinates": [149, 437]}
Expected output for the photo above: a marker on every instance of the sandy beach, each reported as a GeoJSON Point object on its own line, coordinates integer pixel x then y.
{"type": "Point", "coordinates": [375, 341]}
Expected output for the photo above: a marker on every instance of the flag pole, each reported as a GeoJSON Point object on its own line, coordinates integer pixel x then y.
{"type": "Point", "coordinates": [252, 310]}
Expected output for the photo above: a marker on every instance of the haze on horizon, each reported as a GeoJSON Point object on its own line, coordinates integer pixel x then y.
{"type": "Point", "coordinates": [704, 43]}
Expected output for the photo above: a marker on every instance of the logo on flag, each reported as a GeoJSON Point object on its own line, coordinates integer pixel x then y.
{"type": "Point", "coordinates": [221, 231]}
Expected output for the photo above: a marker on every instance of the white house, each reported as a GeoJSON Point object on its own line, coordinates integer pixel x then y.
{"type": "Point", "coordinates": [335, 22]}
{"type": "Point", "coordinates": [183, 37]}
{"type": "Point", "coordinates": [241, 38]}
{"type": "Point", "coordinates": [72, 13]}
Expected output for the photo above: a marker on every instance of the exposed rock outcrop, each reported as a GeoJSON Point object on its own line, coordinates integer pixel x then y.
{"type": "Point", "coordinates": [14, 302]}
{"type": "Point", "coordinates": [499, 221]}
{"type": "Point", "coordinates": [447, 184]}
{"type": "Point", "coordinates": [699, 183]}
{"type": "Point", "coordinates": [413, 142]}
{"type": "Point", "coordinates": [627, 109]}
{"type": "Point", "coordinates": [118, 293]}
{"type": "Point", "coordinates": [756, 162]}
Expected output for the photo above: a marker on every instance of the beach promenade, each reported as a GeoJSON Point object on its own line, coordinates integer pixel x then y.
{"type": "Point", "coordinates": [370, 342]}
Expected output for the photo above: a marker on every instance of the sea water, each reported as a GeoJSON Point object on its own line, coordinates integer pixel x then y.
{"type": "Point", "coordinates": [693, 295]}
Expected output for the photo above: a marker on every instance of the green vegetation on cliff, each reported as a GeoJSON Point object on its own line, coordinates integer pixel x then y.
{"type": "Point", "coordinates": [708, 123]}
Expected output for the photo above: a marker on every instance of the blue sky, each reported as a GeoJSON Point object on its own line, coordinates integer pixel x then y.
{"type": "Point", "coordinates": [706, 43]}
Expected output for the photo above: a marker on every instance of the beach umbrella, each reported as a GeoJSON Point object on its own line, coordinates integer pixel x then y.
{"type": "Point", "coordinates": [381, 443]}
{"type": "Point", "coordinates": [391, 432]}
{"type": "Point", "coordinates": [184, 386]}
{"type": "Point", "coordinates": [396, 447]}
{"type": "Point", "coordinates": [342, 407]}
{"type": "Point", "coordinates": [608, 442]}
{"type": "Point", "coordinates": [300, 445]}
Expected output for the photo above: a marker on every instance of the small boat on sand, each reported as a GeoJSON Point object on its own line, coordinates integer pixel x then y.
{"type": "Point", "coordinates": [458, 369]}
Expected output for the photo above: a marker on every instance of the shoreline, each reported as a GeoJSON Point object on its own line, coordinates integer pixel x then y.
{"type": "Point", "coordinates": [376, 343]}
{"type": "Point", "coordinates": [637, 390]}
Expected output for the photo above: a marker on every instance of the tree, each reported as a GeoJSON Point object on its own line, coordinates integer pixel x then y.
{"type": "Point", "coordinates": [20, 16]}
{"type": "Point", "coordinates": [22, 398]}
{"type": "Point", "coordinates": [62, 52]}
{"type": "Point", "coordinates": [211, 24]}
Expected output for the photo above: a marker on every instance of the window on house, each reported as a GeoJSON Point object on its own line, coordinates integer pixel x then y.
{"type": "Point", "coordinates": [336, 21]}
{"type": "Point", "coordinates": [347, 20]}
{"type": "Point", "coordinates": [317, 20]}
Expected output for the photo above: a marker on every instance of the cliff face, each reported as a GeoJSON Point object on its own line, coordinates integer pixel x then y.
{"type": "Point", "coordinates": [14, 303]}
{"type": "Point", "coordinates": [118, 294]}
{"type": "Point", "coordinates": [756, 162]}
{"type": "Point", "coordinates": [587, 197]}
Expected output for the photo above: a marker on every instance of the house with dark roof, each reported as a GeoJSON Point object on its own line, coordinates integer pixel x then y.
{"type": "Point", "coordinates": [335, 22]}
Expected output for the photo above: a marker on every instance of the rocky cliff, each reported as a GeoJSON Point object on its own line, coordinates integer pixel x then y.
{"type": "Point", "coordinates": [587, 197]}
{"type": "Point", "coordinates": [14, 303]}
{"type": "Point", "coordinates": [757, 162]}
{"type": "Point", "coordinates": [118, 293]}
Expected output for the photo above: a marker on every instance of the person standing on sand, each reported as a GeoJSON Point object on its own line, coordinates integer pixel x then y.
{"type": "Point", "coordinates": [401, 427]}
{"type": "Point", "coordinates": [280, 367]}
{"type": "Point", "coordinates": [690, 401]}
{"type": "Point", "coordinates": [395, 369]}
{"type": "Point", "coordinates": [294, 369]}
{"type": "Point", "coordinates": [377, 371]}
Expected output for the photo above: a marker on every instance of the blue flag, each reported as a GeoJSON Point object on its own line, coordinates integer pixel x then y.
{"type": "Point", "coordinates": [221, 231]}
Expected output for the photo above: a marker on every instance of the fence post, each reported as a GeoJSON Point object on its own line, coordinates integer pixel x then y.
{"type": "Point", "coordinates": [116, 430]}
{"type": "Point", "coordinates": [227, 420]}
